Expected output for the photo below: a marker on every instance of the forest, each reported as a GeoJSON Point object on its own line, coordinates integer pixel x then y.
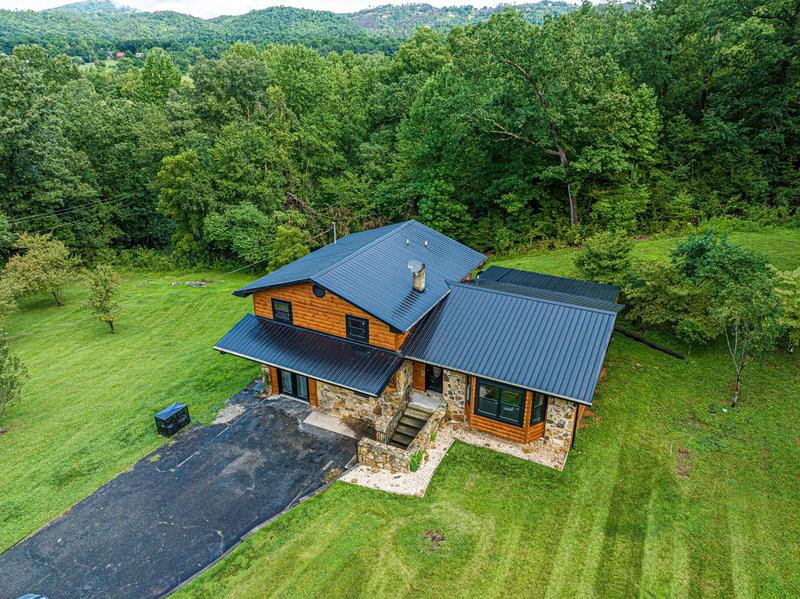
{"type": "Point", "coordinates": [503, 134]}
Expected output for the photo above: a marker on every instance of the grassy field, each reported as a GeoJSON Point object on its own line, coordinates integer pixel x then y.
{"type": "Point", "coordinates": [665, 494]}
{"type": "Point", "coordinates": [87, 413]}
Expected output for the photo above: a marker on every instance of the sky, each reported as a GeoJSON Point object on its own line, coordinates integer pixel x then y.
{"type": "Point", "coordinates": [213, 8]}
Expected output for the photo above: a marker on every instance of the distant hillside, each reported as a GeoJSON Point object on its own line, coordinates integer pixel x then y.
{"type": "Point", "coordinates": [402, 20]}
{"type": "Point", "coordinates": [93, 7]}
{"type": "Point", "coordinates": [94, 28]}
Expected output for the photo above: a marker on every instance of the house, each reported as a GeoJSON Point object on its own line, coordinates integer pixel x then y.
{"type": "Point", "coordinates": [389, 327]}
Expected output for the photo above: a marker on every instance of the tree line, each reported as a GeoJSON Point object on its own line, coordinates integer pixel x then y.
{"type": "Point", "coordinates": [500, 134]}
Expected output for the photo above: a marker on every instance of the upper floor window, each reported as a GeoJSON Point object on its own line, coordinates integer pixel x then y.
{"type": "Point", "coordinates": [282, 311]}
{"type": "Point", "coordinates": [357, 329]}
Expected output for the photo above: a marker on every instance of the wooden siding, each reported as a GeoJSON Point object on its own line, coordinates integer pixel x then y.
{"type": "Point", "coordinates": [518, 434]}
{"type": "Point", "coordinates": [312, 392]}
{"type": "Point", "coordinates": [273, 380]}
{"type": "Point", "coordinates": [326, 314]}
{"type": "Point", "coordinates": [501, 429]}
{"type": "Point", "coordinates": [418, 380]}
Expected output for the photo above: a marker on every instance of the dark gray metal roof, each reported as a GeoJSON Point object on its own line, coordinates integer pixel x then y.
{"type": "Point", "coordinates": [322, 357]}
{"type": "Point", "coordinates": [538, 344]}
{"type": "Point", "coordinates": [370, 270]}
{"type": "Point", "coordinates": [538, 280]}
{"type": "Point", "coordinates": [564, 298]}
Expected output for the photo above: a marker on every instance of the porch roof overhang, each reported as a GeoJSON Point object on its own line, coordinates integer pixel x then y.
{"type": "Point", "coordinates": [360, 368]}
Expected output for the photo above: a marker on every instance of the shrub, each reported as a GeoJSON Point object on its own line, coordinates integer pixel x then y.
{"type": "Point", "coordinates": [605, 258]}
{"type": "Point", "coordinates": [415, 461]}
{"type": "Point", "coordinates": [12, 375]}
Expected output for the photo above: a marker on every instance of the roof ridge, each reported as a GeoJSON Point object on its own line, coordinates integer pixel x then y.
{"type": "Point", "coordinates": [361, 249]}
{"type": "Point", "coordinates": [534, 299]}
{"type": "Point", "coordinates": [548, 275]}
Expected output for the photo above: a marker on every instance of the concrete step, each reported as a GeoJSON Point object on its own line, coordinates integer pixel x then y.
{"type": "Point", "coordinates": [415, 413]}
{"type": "Point", "coordinates": [411, 421]}
{"type": "Point", "coordinates": [407, 430]}
{"type": "Point", "coordinates": [401, 439]}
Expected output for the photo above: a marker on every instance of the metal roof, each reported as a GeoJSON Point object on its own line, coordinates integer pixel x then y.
{"type": "Point", "coordinates": [370, 270]}
{"type": "Point", "coordinates": [322, 357]}
{"type": "Point", "coordinates": [538, 280]}
{"type": "Point", "coordinates": [530, 342]}
{"type": "Point", "coordinates": [564, 298]}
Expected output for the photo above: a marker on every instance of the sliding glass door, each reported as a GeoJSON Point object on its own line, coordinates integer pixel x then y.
{"type": "Point", "coordinates": [294, 385]}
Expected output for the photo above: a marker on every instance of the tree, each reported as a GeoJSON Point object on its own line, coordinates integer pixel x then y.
{"type": "Point", "coordinates": [605, 258]}
{"type": "Point", "coordinates": [241, 232]}
{"type": "Point", "coordinates": [12, 375]}
{"type": "Point", "coordinates": [158, 77]}
{"type": "Point", "coordinates": [44, 266]}
{"type": "Point", "coordinates": [103, 300]}
{"type": "Point", "coordinates": [713, 259]}
{"type": "Point", "coordinates": [787, 286]}
{"type": "Point", "coordinates": [749, 313]}
{"type": "Point", "coordinates": [291, 239]}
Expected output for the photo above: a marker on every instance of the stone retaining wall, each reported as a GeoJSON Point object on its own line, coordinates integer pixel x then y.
{"type": "Point", "coordinates": [375, 454]}
{"type": "Point", "coordinates": [559, 422]}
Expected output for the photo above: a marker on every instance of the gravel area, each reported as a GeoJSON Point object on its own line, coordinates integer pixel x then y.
{"type": "Point", "coordinates": [416, 483]}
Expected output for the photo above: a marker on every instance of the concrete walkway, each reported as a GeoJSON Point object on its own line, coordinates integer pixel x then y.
{"type": "Point", "coordinates": [156, 525]}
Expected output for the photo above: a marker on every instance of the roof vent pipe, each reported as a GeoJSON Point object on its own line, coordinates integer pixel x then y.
{"type": "Point", "coordinates": [426, 243]}
{"type": "Point", "coordinates": [417, 269]}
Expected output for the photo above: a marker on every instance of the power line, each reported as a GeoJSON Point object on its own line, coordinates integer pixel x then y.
{"type": "Point", "coordinates": [63, 211]}
{"type": "Point", "coordinates": [153, 299]}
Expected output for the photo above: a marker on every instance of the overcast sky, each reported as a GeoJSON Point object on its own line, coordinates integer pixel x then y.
{"type": "Point", "coordinates": [213, 8]}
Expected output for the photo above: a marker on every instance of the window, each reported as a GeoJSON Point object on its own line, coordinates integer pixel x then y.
{"type": "Point", "coordinates": [538, 408]}
{"type": "Point", "coordinates": [281, 311]}
{"type": "Point", "coordinates": [357, 329]}
{"type": "Point", "coordinates": [318, 290]}
{"type": "Point", "coordinates": [500, 402]}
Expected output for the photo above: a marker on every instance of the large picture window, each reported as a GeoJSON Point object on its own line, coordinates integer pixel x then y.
{"type": "Point", "coordinates": [500, 402]}
{"type": "Point", "coordinates": [538, 408]}
{"type": "Point", "coordinates": [357, 329]}
{"type": "Point", "coordinates": [282, 311]}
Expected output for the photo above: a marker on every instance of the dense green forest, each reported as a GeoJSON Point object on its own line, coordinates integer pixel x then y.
{"type": "Point", "coordinates": [94, 29]}
{"type": "Point", "coordinates": [500, 133]}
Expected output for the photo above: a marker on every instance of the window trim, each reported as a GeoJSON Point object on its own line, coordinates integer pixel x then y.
{"type": "Point", "coordinates": [531, 421]}
{"type": "Point", "coordinates": [274, 311]}
{"type": "Point", "coordinates": [477, 400]}
{"type": "Point", "coordinates": [348, 319]}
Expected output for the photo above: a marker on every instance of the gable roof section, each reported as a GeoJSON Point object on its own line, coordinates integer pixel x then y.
{"type": "Point", "coordinates": [544, 345]}
{"type": "Point", "coordinates": [525, 278]}
{"type": "Point", "coordinates": [361, 368]}
{"type": "Point", "coordinates": [370, 270]}
{"type": "Point", "coordinates": [545, 294]}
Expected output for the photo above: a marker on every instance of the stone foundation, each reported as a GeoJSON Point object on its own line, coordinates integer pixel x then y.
{"type": "Point", "coordinates": [559, 422]}
{"type": "Point", "coordinates": [348, 404]}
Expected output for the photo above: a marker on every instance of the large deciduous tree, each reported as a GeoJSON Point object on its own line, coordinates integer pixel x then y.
{"type": "Point", "coordinates": [44, 265]}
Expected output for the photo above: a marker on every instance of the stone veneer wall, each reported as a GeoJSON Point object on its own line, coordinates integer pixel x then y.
{"type": "Point", "coordinates": [559, 422]}
{"type": "Point", "coordinates": [374, 454]}
{"type": "Point", "coordinates": [347, 404]}
{"type": "Point", "coordinates": [454, 393]}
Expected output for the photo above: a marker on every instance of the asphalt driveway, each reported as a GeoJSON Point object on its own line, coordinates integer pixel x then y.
{"type": "Point", "coordinates": [157, 524]}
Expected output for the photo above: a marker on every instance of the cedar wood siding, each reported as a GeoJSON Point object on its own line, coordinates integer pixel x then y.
{"type": "Point", "coordinates": [326, 314]}
{"type": "Point", "coordinates": [523, 434]}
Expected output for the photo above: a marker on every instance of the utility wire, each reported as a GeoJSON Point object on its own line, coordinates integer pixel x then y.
{"type": "Point", "coordinates": [161, 297]}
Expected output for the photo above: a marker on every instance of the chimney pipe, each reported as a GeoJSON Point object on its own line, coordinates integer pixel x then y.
{"type": "Point", "coordinates": [417, 269]}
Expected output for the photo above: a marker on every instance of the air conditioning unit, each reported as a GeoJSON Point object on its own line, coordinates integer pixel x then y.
{"type": "Point", "coordinates": [172, 419]}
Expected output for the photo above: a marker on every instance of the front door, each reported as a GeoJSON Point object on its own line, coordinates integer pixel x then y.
{"type": "Point", "coordinates": [433, 378]}
{"type": "Point", "coordinates": [294, 385]}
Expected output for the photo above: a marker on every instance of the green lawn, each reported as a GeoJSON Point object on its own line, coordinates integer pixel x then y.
{"type": "Point", "coordinates": [87, 413]}
{"type": "Point", "coordinates": [665, 495]}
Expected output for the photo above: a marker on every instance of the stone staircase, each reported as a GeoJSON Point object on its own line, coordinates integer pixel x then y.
{"type": "Point", "coordinates": [414, 417]}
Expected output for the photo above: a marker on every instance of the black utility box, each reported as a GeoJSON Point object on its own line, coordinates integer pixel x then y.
{"type": "Point", "coordinates": [172, 419]}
